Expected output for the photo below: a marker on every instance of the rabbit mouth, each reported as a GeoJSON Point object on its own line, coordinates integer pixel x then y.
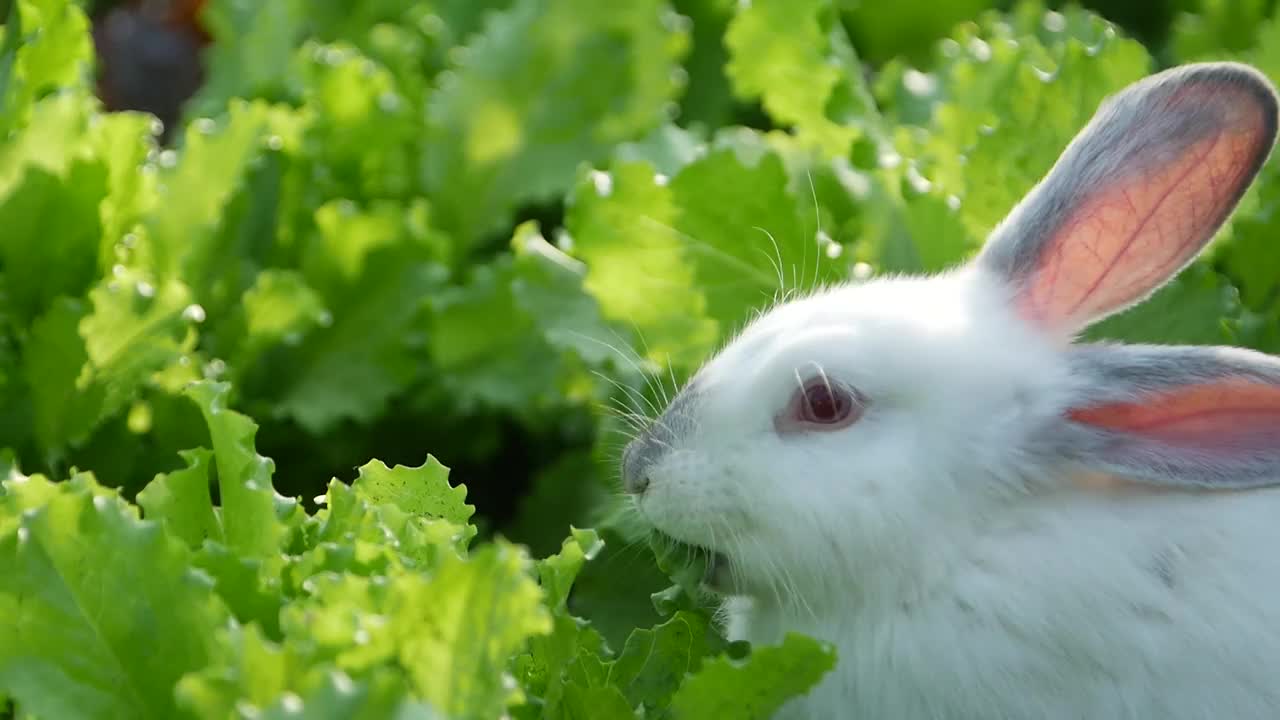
{"type": "Point", "coordinates": [682, 556]}
{"type": "Point", "coordinates": [719, 577]}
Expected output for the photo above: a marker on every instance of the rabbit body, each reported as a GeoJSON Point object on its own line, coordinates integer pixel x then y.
{"type": "Point", "coordinates": [1083, 610]}
{"type": "Point", "coordinates": [988, 519]}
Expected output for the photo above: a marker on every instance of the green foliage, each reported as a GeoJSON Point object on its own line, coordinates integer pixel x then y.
{"type": "Point", "coordinates": [796, 59]}
{"type": "Point", "coordinates": [468, 228]}
{"type": "Point", "coordinates": [751, 689]}
{"type": "Point", "coordinates": [103, 612]}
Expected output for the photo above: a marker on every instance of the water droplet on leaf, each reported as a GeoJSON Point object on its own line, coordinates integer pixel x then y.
{"type": "Point", "coordinates": [193, 313]}
{"type": "Point", "coordinates": [602, 182]}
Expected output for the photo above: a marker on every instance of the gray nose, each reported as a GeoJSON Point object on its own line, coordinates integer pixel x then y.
{"type": "Point", "coordinates": [637, 459]}
{"type": "Point", "coordinates": [636, 484]}
{"type": "Point", "coordinates": [656, 441]}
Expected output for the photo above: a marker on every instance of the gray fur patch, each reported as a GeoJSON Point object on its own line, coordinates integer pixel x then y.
{"type": "Point", "coordinates": [1109, 372]}
{"type": "Point", "coordinates": [1163, 566]}
{"type": "Point", "coordinates": [662, 435]}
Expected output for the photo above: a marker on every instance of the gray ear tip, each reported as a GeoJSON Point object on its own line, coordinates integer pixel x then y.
{"type": "Point", "coordinates": [1236, 75]}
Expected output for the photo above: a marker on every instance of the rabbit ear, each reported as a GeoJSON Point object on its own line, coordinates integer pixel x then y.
{"type": "Point", "coordinates": [1136, 195]}
{"type": "Point", "coordinates": [1206, 417]}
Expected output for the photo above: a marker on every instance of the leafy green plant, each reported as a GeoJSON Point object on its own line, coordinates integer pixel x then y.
{"type": "Point", "coordinates": [388, 229]}
{"type": "Point", "coordinates": [377, 603]}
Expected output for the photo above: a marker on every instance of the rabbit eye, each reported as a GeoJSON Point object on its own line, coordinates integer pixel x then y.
{"type": "Point", "coordinates": [821, 404]}
{"type": "Point", "coordinates": [824, 403]}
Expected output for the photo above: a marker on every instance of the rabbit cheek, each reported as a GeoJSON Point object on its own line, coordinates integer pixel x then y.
{"type": "Point", "coordinates": [692, 499]}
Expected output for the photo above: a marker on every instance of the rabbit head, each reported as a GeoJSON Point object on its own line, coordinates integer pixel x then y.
{"type": "Point", "coordinates": [850, 437]}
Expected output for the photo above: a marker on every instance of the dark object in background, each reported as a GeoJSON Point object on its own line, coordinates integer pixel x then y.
{"type": "Point", "coordinates": [149, 56]}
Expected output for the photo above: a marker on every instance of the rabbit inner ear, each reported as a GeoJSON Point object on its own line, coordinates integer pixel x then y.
{"type": "Point", "coordinates": [1229, 416]}
{"type": "Point", "coordinates": [1136, 195]}
{"type": "Point", "coordinates": [1177, 417]}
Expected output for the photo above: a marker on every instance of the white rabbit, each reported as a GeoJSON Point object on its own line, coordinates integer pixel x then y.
{"type": "Point", "coordinates": [987, 519]}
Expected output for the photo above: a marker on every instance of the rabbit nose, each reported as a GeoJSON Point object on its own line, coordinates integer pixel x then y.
{"type": "Point", "coordinates": [636, 462]}
{"type": "Point", "coordinates": [636, 485]}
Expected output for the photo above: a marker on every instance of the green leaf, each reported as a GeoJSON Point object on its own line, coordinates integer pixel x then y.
{"type": "Point", "coordinates": [512, 335]}
{"type": "Point", "coordinates": [708, 97]}
{"type": "Point", "coordinates": [541, 670]}
{"type": "Point", "coordinates": [1014, 90]}
{"type": "Point", "coordinates": [251, 672]}
{"type": "Point", "coordinates": [1250, 255]}
{"type": "Point", "coordinates": [17, 424]}
{"type": "Point", "coordinates": [746, 235]}
{"type": "Point", "coordinates": [667, 148]}
{"type": "Point", "coordinates": [249, 586]}
{"type": "Point", "coordinates": [1216, 29]}
{"type": "Point", "coordinates": [754, 689]}
{"type": "Point", "coordinates": [100, 614]}
{"type": "Point", "coordinates": [369, 350]}
{"type": "Point", "coordinates": [350, 238]}
{"type": "Point", "coordinates": [352, 535]}
{"type": "Point", "coordinates": [280, 307]}
{"type": "Point", "coordinates": [136, 329]}
{"type": "Point", "coordinates": [124, 141]}
{"type": "Point", "coordinates": [54, 52]}
{"type": "Point", "coordinates": [253, 515]}
{"type": "Point", "coordinates": [622, 225]}
{"type": "Point", "coordinates": [913, 230]}
{"type": "Point", "coordinates": [280, 304]}
{"type": "Point", "coordinates": [548, 286]}
{"type": "Point", "coordinates": [613, 592]}
{"type": "Point", "coordinates": [488, 345]}
{"type": "Point", "coordinates": [1196, 308]}
{"type": "Point", "coordinates": [181, 501]}
{"type": "Point", "coordinates": [886, 31]}
{"type": "Point", "coordinates": [653, 664]}
{"type": "Point", "coordinates": [50, 143]}
{"type": "Point", "coordinates": [596, 703]}
{"type": "Point", "coordinates": [691, 259]}
{"type": "Point", "coordinates": [469, 619]}
{"type": "Point", "coordinates": [559, 571]}
{"type": "Point", "coordinates": [366, 134]}
{"type": "Point", "coordinates": [524, 104]}
{"type": "Point", "coordinates": [341, 699]}
{"type": "Point", "coordinates": [343, 621]}
{"type": "Point", "coordinates": [181, 238]}
{"type": "Point", "coordinates": [452, 632]}
{"type": "Point", "coordinates": [12, 33]}
{"type": "Point", "coordinates": [1266, 55]}
{"type": "Point", "coordinates": [67, 404]}
{"type": "Point", "coordinates": [252, 53]}
{"type": "Point", "coordinates": [422, 491]}
{"type": "Point", "coordinates": [686, 564]}
{"type": "Point", "coordinates": [795, 57]}
{"type": "Point", "coordinates": [50, 188]}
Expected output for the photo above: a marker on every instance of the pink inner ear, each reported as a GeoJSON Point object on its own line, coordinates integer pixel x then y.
{"type": "Point", "coordinates": [1227, 415]}
{"type": "Point", "coordinates": [1128, 237]}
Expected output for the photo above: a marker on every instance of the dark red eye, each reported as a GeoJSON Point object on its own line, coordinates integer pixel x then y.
{"type": "Point", "coordinates": [821, 404]}
{"type": "Point", "coordinates": [824, 403]}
